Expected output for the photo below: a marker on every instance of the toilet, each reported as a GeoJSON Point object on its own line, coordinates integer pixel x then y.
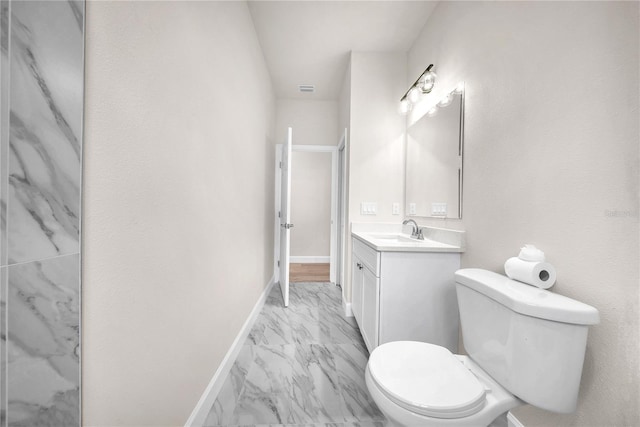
{"type": "Point", "coordinates": [524, 345]}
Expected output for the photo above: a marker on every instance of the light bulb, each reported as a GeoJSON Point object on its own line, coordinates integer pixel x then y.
{"type": "Point", "coordinates": [432, 112]}
{"type": "Point", "coordinates": [445, 101]}
{"type": "Point", "coordinates": [414, 95]}
{"type": "Point", "coordinates": [459, 88]}
{"type": "Point", "coordinates": [427, 81]}
{"type": "Point", "coordinates": [404, 107]}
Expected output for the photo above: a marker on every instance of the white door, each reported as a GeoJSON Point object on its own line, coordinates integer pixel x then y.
{"type": "Point", "coordinates": [340, 268]}
{"type": "Point", "coordinates": [285, 217]}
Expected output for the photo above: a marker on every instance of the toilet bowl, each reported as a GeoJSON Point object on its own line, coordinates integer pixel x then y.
{"type": "Point", "coordinates": [452, 391]}
{"type": "Point", "coordinates": [525, 345]}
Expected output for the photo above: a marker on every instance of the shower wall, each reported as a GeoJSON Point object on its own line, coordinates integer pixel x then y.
{"type": "Point", "coordinates": [41, 105]}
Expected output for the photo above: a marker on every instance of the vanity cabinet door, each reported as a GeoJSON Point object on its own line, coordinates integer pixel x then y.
{"type": "Point", "coordinates": [370, 308]}
{"type": "Point", "coordinates": [356, 288]}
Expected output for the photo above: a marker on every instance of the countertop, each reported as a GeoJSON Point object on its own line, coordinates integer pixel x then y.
{"type": "Point", "coordinates": [399, 242]}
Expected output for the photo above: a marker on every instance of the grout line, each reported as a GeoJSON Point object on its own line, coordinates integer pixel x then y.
{"type": "Point", "coordinates": [40, 259]}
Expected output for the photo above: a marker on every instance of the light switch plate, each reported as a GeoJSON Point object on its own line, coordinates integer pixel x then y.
{"type": "Point", "coordinates": [395, 209]}
{"type": "Point", "coordinates": [368, 208]}
{"type": "Point", "coordinates": [438, 209]}
{"type": "Point", "coordinates": [412, 208]}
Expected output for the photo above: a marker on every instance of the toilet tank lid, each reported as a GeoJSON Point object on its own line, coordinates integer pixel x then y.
{"type": "Point", "coordinates": [527, 300]}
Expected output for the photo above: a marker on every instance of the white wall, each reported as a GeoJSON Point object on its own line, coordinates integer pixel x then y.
{"type": "Point", "coordinates": [344, 101]}
{"type": "Point", "coordinates": [376, 167]}
{"type": "Point", "coordinates": [551, 149]}
{"type": "Point", "coordinates": [344, 124]}
{"type": "Point", "coordinates": [313, 123]}
{"type": "Point", "coordinates": [376, 138]}
{"type": "Point", "coordinates": [178, 139]}
{"type": "Point", "coordinates": [310, 205]}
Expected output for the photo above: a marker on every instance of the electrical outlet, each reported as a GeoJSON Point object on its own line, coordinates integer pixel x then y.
{"type": "Point", "coordinates": [395, 209]}
{"type": "Point", "coordinates": [412, 208]}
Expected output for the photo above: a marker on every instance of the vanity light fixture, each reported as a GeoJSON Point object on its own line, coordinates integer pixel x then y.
{"type": "Point", "coordinates": [446, 99]}
{"type": "Point", "coordinates": [424, 84]}
{"type": "Point", "coordinates": [413, 95]}
{"type": "Point", "coordinates": [405, 106]}
{"type": "Point", "coordinates": [427, 81]}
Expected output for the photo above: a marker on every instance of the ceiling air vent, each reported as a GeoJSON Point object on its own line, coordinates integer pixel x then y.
{"type": "Point", "coordinates": [307, 88]}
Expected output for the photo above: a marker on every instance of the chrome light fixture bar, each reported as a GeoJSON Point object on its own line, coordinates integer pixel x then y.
{"type": "Point", "coordinates": [423, 84]}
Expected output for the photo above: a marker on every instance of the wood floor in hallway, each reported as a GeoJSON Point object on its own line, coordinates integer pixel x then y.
{"type": "Point", "coordinates": [308, 272]}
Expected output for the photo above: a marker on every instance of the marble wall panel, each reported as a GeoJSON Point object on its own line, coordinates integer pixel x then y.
{"type": "Point", "coordinates": [4, 176]}
{"type": "Point", "coordinates": [41, 113]}
{"type": "Point", "coordinates": [3, 346]}
{"type": "Point", "coordinates": [43, 343]}
{"type": "Point", "coordinates": [4, 125]}
{"type": "Point", "coordinates": [46, 102]}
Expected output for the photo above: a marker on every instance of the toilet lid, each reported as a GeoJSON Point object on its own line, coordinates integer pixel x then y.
{"type": "Point", "coordinates": [426, 379]}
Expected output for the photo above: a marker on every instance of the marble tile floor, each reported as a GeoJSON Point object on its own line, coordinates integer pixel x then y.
{"type": "Point", "coordinates": [300, 366]}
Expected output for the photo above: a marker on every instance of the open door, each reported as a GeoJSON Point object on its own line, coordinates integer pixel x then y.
{"type": "Point", "coordinates": [285, 216]}
{"type": "Point", "coordinates": [340, 214]}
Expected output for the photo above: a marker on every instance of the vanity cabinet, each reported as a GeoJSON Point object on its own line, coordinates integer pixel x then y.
{"type": "Point", "coordinates": [366, 291]}
{"type": "Point", "coordinates": [398, 296]}
{"type": "Point", "coordinates": [356, 287]}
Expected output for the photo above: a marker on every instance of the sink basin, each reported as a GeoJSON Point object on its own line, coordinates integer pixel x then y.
{"type": "Point", "coordinates": [393, 238]}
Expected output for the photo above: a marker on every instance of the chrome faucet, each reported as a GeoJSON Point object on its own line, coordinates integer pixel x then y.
{"type": "Point", "coordinates": [416, 232]}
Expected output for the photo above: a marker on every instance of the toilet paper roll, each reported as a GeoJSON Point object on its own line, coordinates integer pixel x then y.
{"type": "Point", "coordinates": [535, 273]}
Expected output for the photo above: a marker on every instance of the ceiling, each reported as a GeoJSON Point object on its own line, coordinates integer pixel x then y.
{"type": "Point", "coordinates": [308, 42]}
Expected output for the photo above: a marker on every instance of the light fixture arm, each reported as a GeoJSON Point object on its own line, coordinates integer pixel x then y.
{"type": "Point", "coordinates": [416, 82]}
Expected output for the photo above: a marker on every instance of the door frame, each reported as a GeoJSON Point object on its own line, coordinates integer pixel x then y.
{"type": "Point", "coordinates": [333, 149]}
{"type": "Point", "coordinates": [341, 180]}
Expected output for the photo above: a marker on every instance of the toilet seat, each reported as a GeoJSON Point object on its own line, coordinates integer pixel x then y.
{"type": "Point", "coordinates": [426, 379]}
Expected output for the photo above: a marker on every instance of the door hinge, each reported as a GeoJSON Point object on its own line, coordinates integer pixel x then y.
{"type": "Point", "coordinates": [278, 263]}
{"type": "Point", "coordinates": [278, 214]}
{"type": "Point", "coordinates": [280, 165]}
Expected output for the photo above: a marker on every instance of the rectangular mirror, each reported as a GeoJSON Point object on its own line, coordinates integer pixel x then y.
{"type": "Point", "coordinates": [433, 179]}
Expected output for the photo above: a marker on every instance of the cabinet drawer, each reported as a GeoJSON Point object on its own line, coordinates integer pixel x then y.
{"type": "Point", "coordinates": [369, 257]}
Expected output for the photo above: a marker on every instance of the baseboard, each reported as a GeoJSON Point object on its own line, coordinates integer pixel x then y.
{"type": "Point", "coordinates": [200, 412]}
{"type": "Point", "coordinates": [309, 259]}
{"type": "Point", "coordinates": [513, 421]}
{"type": "Point", "coordinates": [346, 308]}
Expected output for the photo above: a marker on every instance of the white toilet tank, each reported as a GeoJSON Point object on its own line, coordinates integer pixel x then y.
{"type": "Point", "coordinates": [529, 340]}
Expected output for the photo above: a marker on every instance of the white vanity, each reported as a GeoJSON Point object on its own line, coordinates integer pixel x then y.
{"type": "Point", "coordinates": [403, 288]}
